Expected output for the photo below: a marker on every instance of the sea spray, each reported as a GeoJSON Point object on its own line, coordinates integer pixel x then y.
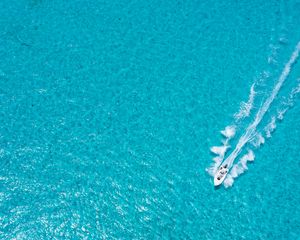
{"type": "Point", "coordinates": [270, 127]}
{"type": "Point", "coordinates": [220, 151]}
{"type": "Point", "coordinates": [239, 168]}
{"type": "Point", "coordinates": [228, 132]}
{"type": "Point", "coordinates": [257, 140]}
{"type": "Point", "coordinates": [289, 102]}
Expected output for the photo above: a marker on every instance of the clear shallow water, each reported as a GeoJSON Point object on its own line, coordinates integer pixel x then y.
{"type": "Point", "coordinates": [109, 109]}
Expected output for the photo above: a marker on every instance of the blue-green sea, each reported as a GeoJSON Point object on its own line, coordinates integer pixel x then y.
{"type": "Point", "coordinates": [109, 110]}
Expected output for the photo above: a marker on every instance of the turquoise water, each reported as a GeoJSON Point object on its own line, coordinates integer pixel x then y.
{"type": "Point", "coordinates": [109, 109]}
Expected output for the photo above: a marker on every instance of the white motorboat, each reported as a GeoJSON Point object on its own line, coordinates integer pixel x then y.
{"type": "Point", "coordinates": [220, 175]}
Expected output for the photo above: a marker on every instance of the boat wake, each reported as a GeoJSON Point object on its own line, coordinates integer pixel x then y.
{"type": "Point", "coordinates": [252, 137]}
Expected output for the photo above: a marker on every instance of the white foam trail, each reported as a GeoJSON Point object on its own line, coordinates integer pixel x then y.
{"type": "Point", "coordinates": [251, 129]}
{"type": "Point", "coordinates": [245, 108]}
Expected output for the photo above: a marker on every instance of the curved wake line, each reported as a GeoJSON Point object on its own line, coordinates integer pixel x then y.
{"type": "Point", "coordinates": [251, 129]}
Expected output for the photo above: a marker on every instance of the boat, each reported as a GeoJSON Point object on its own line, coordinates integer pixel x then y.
{"type": "Point", "coordinates": [220, 175]}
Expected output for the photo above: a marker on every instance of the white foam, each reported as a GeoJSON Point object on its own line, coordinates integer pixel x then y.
{"type": "Point", "coordinates": [270, 127]}
{"type": "Point", "coordinates": [219, 150]}
{"type": "Point", "coordinates": [228, 182]}
{"type": "Point", "coordinates": [296, 89]}
{"type": "Point", "coordinates": [257, 140]}
{"type": "Point", "coordinates": [250, 156]}
{"type": "Point", "coordinates": [245, 107]}
{"type": "Point", "coordinates": [239, 168]}
{"type": "Point", "coordinates": [289, 102]}
{"type": "Point", "coordinates": [212, 169]}
{"type": "Point", "coordinates": [247, 157]}
{"type": "Point", "coordinates": [218, 159]}
{"type": "Point", "coordinates": [281, 113]}
{"type": "Point", "coordinates": [229, 132]}
{"type": "Point", "coordinates": [233, 171]}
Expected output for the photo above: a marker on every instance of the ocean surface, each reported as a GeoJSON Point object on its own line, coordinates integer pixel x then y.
{"type": "Point", "coordinates": [109, 111]}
